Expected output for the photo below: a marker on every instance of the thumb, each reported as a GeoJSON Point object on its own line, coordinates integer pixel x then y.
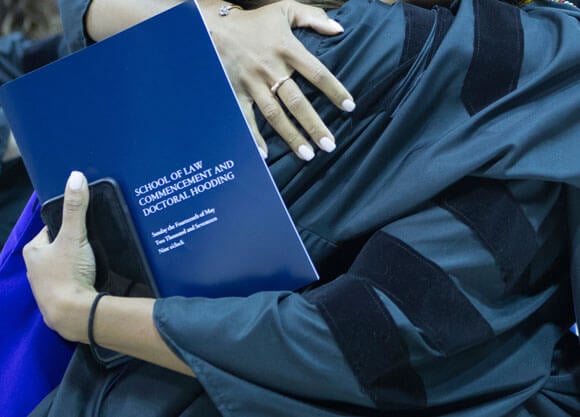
{"type": "Point", "coordinates": [40, 240]}
{"type": "Point", "coordinates": [302, 15]}
{"type": "Point", "coordinates": [74, 210]}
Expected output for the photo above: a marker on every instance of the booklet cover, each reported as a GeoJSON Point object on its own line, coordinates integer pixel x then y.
{"type": "Point", "coordinates": [152, 108]}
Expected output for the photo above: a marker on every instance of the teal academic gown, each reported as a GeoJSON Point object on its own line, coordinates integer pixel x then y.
{"type": "Point", "coordinates": [440, 226]}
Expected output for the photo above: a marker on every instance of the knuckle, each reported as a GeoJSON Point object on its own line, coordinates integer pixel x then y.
{"type": "Point", "coordinates": [319, 75]}
{"type": "Point", "coordinates": [261, 64]}
{"type": "Point", "coordinates": [294, 140]}
{"type": "Point", "coordinates": [295, 102]}
{"type": "Point", "coordinates": [272, 113]}
{"type": "Point", "coordinates": [286, 4]}
{"type": "Point", "coordinates": [73, 205]}
{"type": "Point", "coordinates": [27, 250]}
{"type": "Point", "coordinates": [321, 13]}
{"type": "Point", "coordinates": [284, 47]}
{"type": "Point", "coordinates": [315, 131]}
{"type": "Point", "coordinates": [30, 250]}
{"type": "Point", "coordinates": [48, 319]}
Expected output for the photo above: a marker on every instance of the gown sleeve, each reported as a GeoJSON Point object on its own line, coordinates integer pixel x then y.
{"type": "Point", "coordinates": [460, 295]}
{"type": "Point", "coordinates": [73, 21]}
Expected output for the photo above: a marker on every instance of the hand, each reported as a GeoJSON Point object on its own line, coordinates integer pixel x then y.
{"type": "Point", "coordinates": [62, 277]}
{"type": "Point", "coordinates": [62, 273]}
{"type": "Point", "coordinates": [259, 49]}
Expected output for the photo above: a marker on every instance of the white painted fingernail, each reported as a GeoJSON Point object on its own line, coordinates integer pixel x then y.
{"type": "Point", "coordinates": [348, 105]}
{"type": "Point", "coordinates": [305, 152]}
{"type": "Point", "coordinates": [263, 153]}
{"type": "Point", "coordinates": [327, 144]}
{"type": "Point", "coordinates": [337, 27]}
{"type": "Point", "coordinates": [75, 181]}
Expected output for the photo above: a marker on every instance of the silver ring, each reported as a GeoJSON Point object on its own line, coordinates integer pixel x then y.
{"type": "Point", "coordinates": [225, 10]}
{"type": "Point", "coordinates": [278, 84]}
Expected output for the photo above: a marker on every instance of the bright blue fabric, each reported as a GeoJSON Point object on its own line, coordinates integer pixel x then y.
{"type": "Point", "coordinates": [32, 357]}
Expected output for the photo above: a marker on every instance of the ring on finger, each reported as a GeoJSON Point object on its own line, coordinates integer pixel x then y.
{"type": "Point", "coordinates": [278, 84]}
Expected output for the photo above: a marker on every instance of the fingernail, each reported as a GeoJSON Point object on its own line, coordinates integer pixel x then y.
{"type": "Point", "coordinates": [327, 144]}
{"type": "Point", "coordinates": [335, 25]}
{"type": "Point", "coordinates": [75, 181]}
{"type": "Point", "coordinates": [306, 152]}
{"type": "Point", "coordinates": [263, 153]}
{"type": "Point", "coordinates": [348, 105]}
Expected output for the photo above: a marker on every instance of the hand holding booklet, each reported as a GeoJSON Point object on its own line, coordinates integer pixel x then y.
{"type": "Point", "coordinates": [152, 109]}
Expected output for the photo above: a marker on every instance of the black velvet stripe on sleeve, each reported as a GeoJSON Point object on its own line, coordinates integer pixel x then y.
{"type": "Point", "coordinates": [489, 209]}
{"type": "Point", "coordinates": [444, 20]}
{"type": "Point", "coordinates": [418, 24]}
{"type": "Point", "coordinates": [423, 292]}
{"type": "Point", "coordinates": [42, 52]}
{"type": "Point", "coordinates": [498, 49]}
{"type": "Point", "coordinates": [370, 342]}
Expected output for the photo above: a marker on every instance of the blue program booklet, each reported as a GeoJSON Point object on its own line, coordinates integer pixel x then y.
{"type": "Point", "coordinates": [152, 108]}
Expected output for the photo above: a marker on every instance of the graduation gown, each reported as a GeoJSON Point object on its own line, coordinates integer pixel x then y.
{"type": "Point", "coordinates": [442, 225]}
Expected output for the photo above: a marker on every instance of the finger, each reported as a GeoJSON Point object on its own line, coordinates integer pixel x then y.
{"type": "Point", "coordinates": [76, 201]}
{"type": "Point", "coordinates": [274, 114]}
{"type": "Point", "coordinates": [248, 110]}
{"type": "Point", "coordinates": [312, 17]}
{"type": "Point", "coordinates": [304, 113]}
{"type": "Point", "coordinates": [302, 15]}
{"type": "Point", "coordinates": [314, 71]}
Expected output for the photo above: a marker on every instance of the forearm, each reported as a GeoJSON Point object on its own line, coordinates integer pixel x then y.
{"type": "Point", "coordinates": [126, 325]}
{"type": "Point", "coordinates": [107, 17]}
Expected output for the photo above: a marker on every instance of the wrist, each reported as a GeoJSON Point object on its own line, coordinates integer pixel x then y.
{"type": "Point", "coordinates": [210, 9]}
{"type": "Point", "coordinates": [70, 315]}
{"type": "Point", "coordinates": [217, 15]}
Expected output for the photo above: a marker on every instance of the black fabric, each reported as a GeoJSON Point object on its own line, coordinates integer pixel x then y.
{"type": "Point", "coordinates": [498, 51]}
{"type": "Point", "coordinates": [489, 209]}
{"type": "Point", "coordinates": [341, 258]}
{"type": "Point", "coordinates": [15, 190]}
{"type": "Point", "coordinates": [370, 341]}
{"type": "Point", "coordinates": [444, 20]}
{"type": "Point", "coordinates": [42, 52]}
{"type": "Point", "coordinates": [89, 390]}
{"type": "Point", "coordinates": [423, 292]}
{"type": "Point", "coordinates": [419, 22]}
{"type": "Point", "coordinates": [418, 25]}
